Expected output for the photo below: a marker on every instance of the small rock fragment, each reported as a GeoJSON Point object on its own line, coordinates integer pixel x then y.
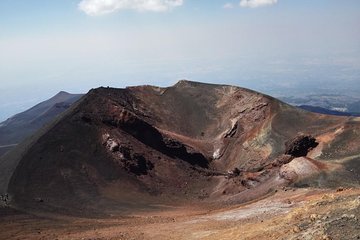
{"type": "Point", "coordinates": [313, 217]}
{"type": "Point", "coordinates": [296, 229]}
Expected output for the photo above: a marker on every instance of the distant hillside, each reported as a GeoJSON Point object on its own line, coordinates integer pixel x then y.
{"type": "Point", "coordinates": [22, 125]}
{"type": "Point", "coordinates": [333, 104]}
{"type": "Point", "coordinates": [354, 107]}
{"type": "Point", "coordinates": [321, 110]}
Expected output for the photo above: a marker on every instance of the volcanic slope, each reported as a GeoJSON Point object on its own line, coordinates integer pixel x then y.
{"type": "Point", "coordinates": [125, 150]}
{"type": "Point", "coordinates": [22, 125]}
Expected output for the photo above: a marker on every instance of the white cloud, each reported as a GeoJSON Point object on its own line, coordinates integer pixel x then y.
{"type": "Point", "coordinates": [228, 6]}
{"type": "Point", "coordinates": [257, 3]}
{"type": "Point", "coordinates": [101, 7]}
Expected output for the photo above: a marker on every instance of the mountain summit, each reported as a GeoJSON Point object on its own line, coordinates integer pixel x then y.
{"type": "Point", "coordinates": [129, 149]}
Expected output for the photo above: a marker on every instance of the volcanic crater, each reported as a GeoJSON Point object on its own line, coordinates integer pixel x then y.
{"type": "Point", "coordinates": [122, 151]}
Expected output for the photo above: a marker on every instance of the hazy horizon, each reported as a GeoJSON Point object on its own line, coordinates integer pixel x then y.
{"type": "Point", "coordinates": [277, 47]}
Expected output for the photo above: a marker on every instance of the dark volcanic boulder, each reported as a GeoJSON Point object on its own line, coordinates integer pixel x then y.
{"type": "Point", "coordinates": [300, 146]}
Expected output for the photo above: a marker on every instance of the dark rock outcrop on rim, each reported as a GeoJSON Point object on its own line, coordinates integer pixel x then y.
{"type": "Point", "coordinates": [300, 146]}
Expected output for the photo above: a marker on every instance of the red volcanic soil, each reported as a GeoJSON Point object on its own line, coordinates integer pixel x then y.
{"type": "Point", "coordinates": [120, 152]}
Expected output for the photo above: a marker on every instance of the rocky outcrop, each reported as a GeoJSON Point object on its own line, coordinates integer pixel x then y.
{"type": "Point", "coordinates": [131, 162]}
{"type": "Point", "coordinates": [300, 145]}
{"type": "Point", "coordinates": [4, 200]}
{"type": "Point", "coordinates": [298, 169]}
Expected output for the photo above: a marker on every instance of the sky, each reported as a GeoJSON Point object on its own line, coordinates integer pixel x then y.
{"type": "Point", "coordinates": [279, 47]}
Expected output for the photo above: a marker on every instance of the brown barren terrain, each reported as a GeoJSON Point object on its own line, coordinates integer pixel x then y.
{"type": "Point", "coordinates": [191, 161]}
